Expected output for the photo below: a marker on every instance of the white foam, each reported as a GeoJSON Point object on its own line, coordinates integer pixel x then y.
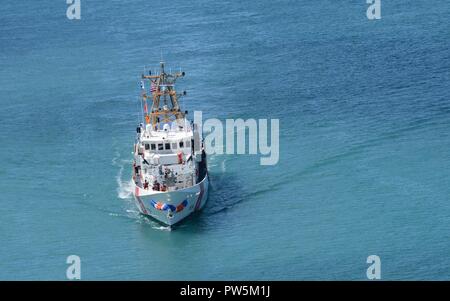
{"type": "Point", "coordinates": [162, 228]}
{"type": "Point", "coordinates": [124, 188]}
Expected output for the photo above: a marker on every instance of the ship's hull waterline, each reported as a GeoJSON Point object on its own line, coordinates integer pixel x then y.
{"type": "Point", "coordinates": [170, 208]}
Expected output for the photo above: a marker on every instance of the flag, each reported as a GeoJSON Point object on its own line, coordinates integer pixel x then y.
{"type": "Point", "coordinates": [153, 87]}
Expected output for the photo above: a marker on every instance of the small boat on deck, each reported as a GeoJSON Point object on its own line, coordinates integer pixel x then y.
{"type": "Point", "coordinates": [169, 171]}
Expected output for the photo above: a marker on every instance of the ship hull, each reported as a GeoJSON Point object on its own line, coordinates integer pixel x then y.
{"type": "Point", "coordinates": [169, 208]}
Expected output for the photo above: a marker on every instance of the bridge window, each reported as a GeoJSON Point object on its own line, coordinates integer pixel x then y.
{"type": "Point", "coordinates": [153, 146]}
{"type": "Point", "coordinates": [147, 146]}
{"type": "Point", "coordinates": [181, 144]}
{"type": "Point", "coordinates": [188, 143]}
{"type": "Point", "coordinates": [160, 146]}
{"type": "Point", "coordinates": [167, 146]}
{"type": "Point", "coordinates": [174, 145]}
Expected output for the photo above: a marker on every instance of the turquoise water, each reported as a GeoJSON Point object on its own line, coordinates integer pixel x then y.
{"type": "Point", "coordinates": [364, 109]}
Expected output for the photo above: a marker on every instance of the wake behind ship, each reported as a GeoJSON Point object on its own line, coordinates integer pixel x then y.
{"type": "Point", "coordinates": [169, 171]}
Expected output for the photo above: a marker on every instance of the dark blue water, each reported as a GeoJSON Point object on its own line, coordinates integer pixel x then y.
{"type": "Point", "coordinates": [364, 109]}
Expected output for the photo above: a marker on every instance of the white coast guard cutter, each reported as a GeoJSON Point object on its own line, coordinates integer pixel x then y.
{"type": "Point", "coordinates": [169, 170]}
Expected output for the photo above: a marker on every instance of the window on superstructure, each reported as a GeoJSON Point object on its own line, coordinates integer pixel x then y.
{"type": "Point", "coordinates": [188, 143]}
{"type": "Point", "coordinates": [167, 146]}
{"type": "Point", "coordinates": [181, 144]}
{"type": "Point", "coordinates": [160, 146]}
{"type": "Point", "coordinates": [153, 146]}
{"type": "Point", "coordinates": [147, 146]}
{"type": "Point", "coordinates": [174, 145]}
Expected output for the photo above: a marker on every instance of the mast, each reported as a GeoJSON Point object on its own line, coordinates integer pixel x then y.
{"type": "Point", "coordinates": [165, 107]}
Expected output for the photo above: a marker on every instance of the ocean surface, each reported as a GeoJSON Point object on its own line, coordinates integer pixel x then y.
{"type": "Point", "coordinates": [364, 110]}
